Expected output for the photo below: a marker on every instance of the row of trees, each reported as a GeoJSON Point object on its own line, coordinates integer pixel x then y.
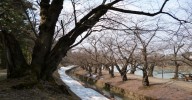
{"type": "Point", "coordinates": [138, 47]}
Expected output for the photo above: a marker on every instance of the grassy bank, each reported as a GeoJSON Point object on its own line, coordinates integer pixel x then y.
{"type": "Point", "coordinates": [160, 89]}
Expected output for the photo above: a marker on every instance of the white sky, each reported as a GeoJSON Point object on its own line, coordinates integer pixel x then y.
{"type": "Point", "coordinates": [179, 8]}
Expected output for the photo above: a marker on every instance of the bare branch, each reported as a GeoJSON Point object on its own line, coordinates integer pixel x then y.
{"type": "Point", "coordinates": [74, 11]}
{"type": "Point", "coordinates": [185, 57]}
{"type": "Point", "coordinates": [28, 18]}
{"type": "Point", "coordinates": [104, 2]}
{"type": "Point", "coordinates": [88, 33]}
{"type": "Point", "coordinates": [62, 26]}
{"type": "Point", "coordinates": [147, 13]}
{"type": "Point", "coordinates": [152, 36]}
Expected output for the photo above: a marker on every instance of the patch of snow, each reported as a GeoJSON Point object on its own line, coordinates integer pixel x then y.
{"type": "Point", "coordinates": [77, 88]}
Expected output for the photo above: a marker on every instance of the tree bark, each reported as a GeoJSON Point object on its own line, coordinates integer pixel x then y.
{"type": "Point", "coordinates": [145, 67]}
{"type": "Point", "coordinates": [49, 60]}
{"type": "Point", "coordinates": [100, 70]}
{"type": "Point", "coordinates": [133, 67]}
{"type": "Point", "coordinates": [90, 71]}
{"type": "Point", "coordinates": [124, 73]}
{"type": "Point", "coordinates": [111, 71]}
{"type": "Point", "coordinates": [16, 64]}
{"type": "Point", "coordinates": [2, 56]}
{"type": "Point", "coordinates": [151, 69]}
{"type": "Point", "coordinates": [49, 14]}
{"type": "Point", "coordinates": [96, 69]}
{"type": "Point", "coordinates": [145, 80]}
{"type": "Point", "coordinates": [45, 59]}
{"type": "Point", "coordinates": [176, 70]}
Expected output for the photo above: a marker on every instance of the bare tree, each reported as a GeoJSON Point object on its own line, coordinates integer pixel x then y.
{"type": "Point", "coordinates": [144, 44]}
{"type": "Point", "coordinates": [176, 49]}
{"type": "Point", "coordinates": [125, 59]}
{"type": "Point", "coordinates": [108, 54]}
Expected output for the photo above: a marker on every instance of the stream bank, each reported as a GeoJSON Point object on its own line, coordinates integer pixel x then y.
{"type": "Point", "coordinates": [106, 88]}
{"type": "Point", "coordinates": [159, 89]}
{"type": "Point", "coordinates": [78, 89]}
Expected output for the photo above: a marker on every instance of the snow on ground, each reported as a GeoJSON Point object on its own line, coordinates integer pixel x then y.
{"type": "Point", "coordinates": [77, 88]}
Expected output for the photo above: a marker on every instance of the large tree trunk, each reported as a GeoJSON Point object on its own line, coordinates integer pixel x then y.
{"type": "Point", "coordinates": [44, 59]}
{"type": "Point", "coordinates": [49, 15]}
{"type": "Point", "coordinates": [47, 59]}
{"type": "Point", "coordinates": [16, 63]}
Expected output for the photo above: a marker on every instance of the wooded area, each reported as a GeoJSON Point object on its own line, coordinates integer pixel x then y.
{"type": "Point", "coordinates": [36, 36]}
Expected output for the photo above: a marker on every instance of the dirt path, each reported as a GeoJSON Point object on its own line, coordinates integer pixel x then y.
{"type": "Point", "coordinates": [160, 89]}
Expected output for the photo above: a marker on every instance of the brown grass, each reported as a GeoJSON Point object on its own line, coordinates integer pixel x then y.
{"type": "Point", "coordinates": [161, 89]}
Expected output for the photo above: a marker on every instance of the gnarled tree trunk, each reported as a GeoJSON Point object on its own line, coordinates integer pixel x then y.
{"type": "Point", "coordinates": [16, 63]}
{"type": "Point", "coordinates": [45, 59]}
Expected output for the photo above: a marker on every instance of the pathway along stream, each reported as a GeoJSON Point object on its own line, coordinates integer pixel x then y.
{"type": "Point", "coordinates": [103, 91]}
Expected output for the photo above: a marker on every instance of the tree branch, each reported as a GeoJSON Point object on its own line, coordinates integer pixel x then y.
{"type": "Point", "coordinates": [88, 33]}
{"type": "Point", "coordinates": [28, 18]}
{"type": "Point", "coordinates": [147, 13]}
{"type": "Point", "coordinates": [74, 11]}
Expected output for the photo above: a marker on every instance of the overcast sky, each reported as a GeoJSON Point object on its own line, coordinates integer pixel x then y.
{"type": "Point", "coordinates": [178, 8]}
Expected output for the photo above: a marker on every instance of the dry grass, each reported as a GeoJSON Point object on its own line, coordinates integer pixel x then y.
{"type": "Point", "coordinates": [160, 89]}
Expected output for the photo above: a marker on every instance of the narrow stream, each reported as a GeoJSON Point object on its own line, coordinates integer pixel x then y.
{"type": "Point", "coordinates": [105, 92]}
